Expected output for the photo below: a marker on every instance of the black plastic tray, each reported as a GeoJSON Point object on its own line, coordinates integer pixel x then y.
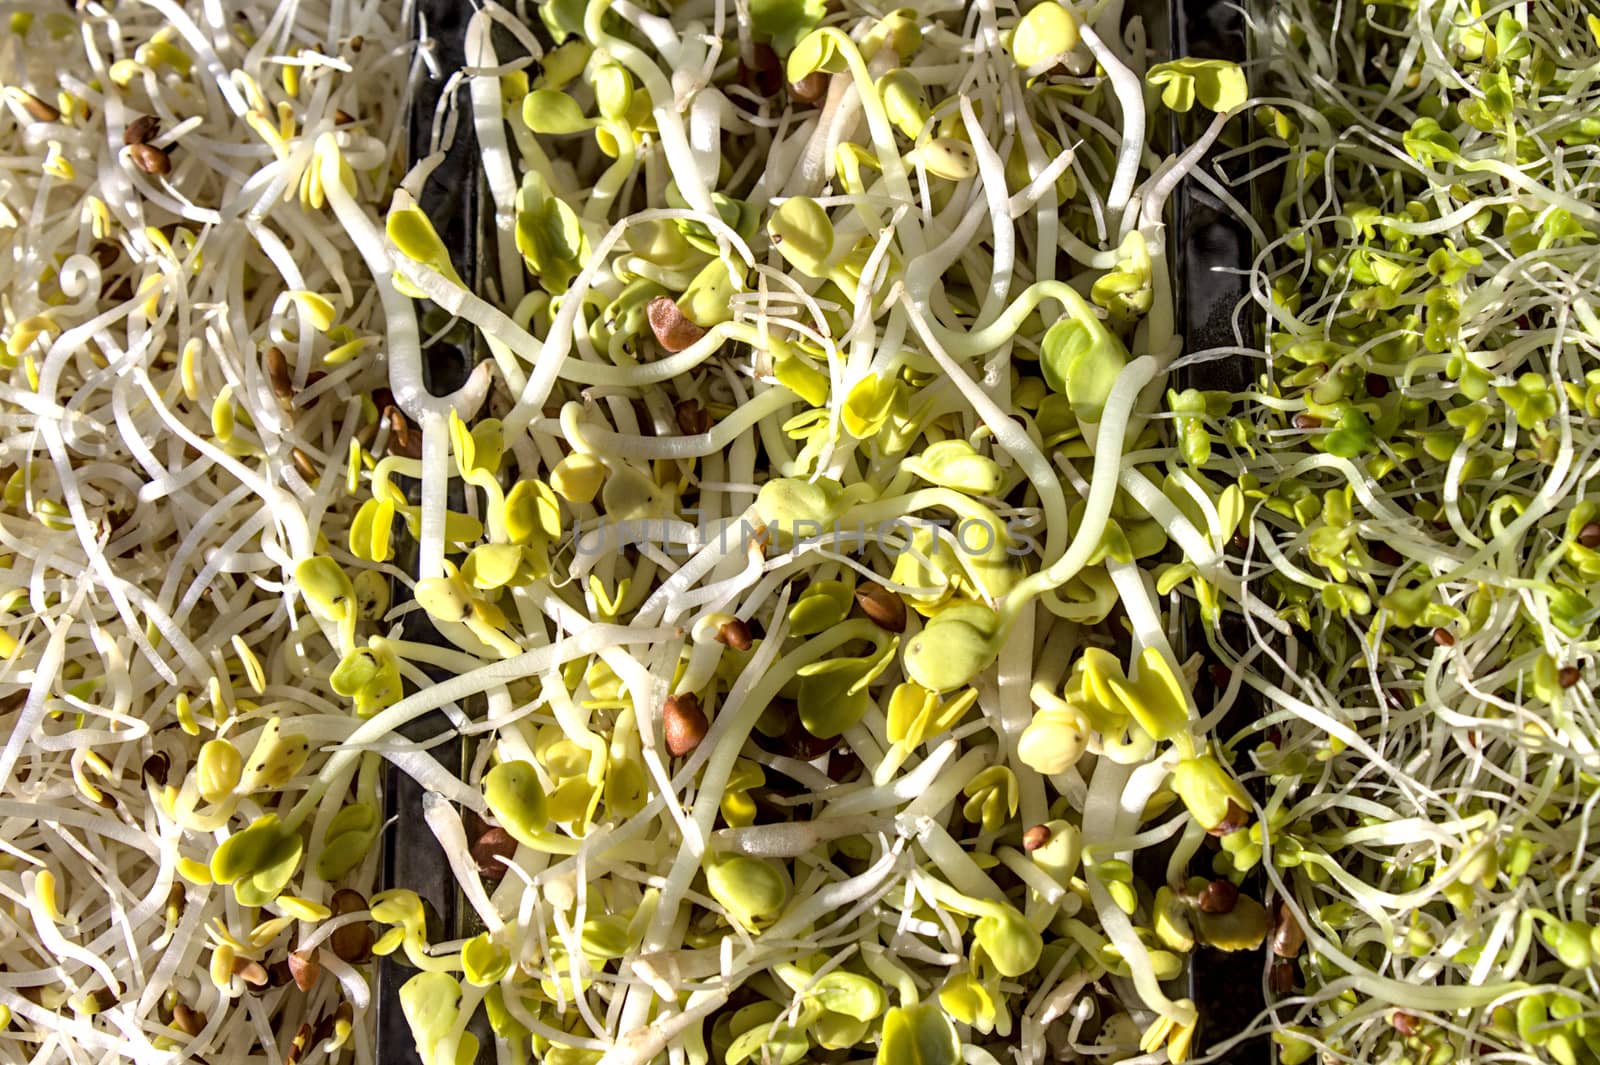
{"type": "Point", "coordinates": [1208, 248]}
{"type": "Point", "coordinates": [453, 199]}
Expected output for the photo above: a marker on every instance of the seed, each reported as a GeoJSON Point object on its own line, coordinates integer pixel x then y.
{"type": "Point", "coordinates": [302, 462]}
{"type": "Point", "coordinates": [734, 633]}
{"type": "Point", "coordinates": [1287, 936]}
{"type": "Point", "coordinates": [402, 441]}
{"type": "Point", "coordinates": [1405, 1023]}
{"type": "Point", "coordinates": [883, 608]}
{"type": "Point", "coordinates": [156, 768]}
{"type": "Point", "coordinates": [492, 845]}
{"type": "Point", "coordinates": [357, 42]}
{"type": "Point", "coordinates": [1444, 637]}
{"type": "Point", "coordinates": [1219, 896]}
{"type": "Point", "coordinates": [187, 1020]}
{"type": "Point", "coordinates": [800, 743]}
{"type": "Point", "coordinates": [1235, 819]}
{"type": "Point", "coordinates": [39, 109]}
{"type": "Point", "coordinates": [844, 765]}
{"type": "Point", "coordinates": [1307, 421]}
{"type": "Point", "coordinates": [278, 375]}
{"type": "Point", "coordinates": [1036, 837]}
{"type": "Point", "coordinates": [1589, 535]}
{"type": "Point", "coordinates": [765, 74]}
{"type": "Point", "coordinates": [809, 89]}
{"type": "Point", "coordinates": [1377, 385]}
{"type": "Point", "coordinates": [150, 159]}
{"type": "Point", "coordinates": [1569, 676]}
{"type": "Point", "coordinates": [693, 419]}
{"type": "Point", "coordinates": [141, 130]}
{"type": "Point", "coordinates": [1281, 977]}
{"type": "Point", "coordinates": [671, 326]}
{"type": "Point", "coordinates": [352, 943]}
{"type": "Point", "coordinates": [251, 972]}
{"type": "Point", "coordinates": [1386, 554]}
{"type": "Point", "coordinates": [299, 1044]}
{"type": "Point", "coordinates": [684, 722]}
{"type": "Point", "coordinates": [347, 901]}
{"type": "Point", "coordinates": [341, 117]}
{"type": "Point", "coordinates": [305, 968]}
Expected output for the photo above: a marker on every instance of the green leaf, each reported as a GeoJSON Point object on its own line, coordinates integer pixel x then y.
{"type": "Point", "coordinates": [552, 112]}
{"type": "Point", "coordinates": [1216, 83]}
{"type": "Point", "coordinates": [783, 22]}
{"type": "Point", "coordinates": [1081, 359]}
{"type": "Point", "coordinates": [918, 1035]}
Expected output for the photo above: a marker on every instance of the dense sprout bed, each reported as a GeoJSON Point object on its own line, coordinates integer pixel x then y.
{"type": "Point", "coordinates": [191, 356]}
{"type": "Point", "coordinates": [798, 601]}
{"type": "Point", "coordinates": [1419, 461]}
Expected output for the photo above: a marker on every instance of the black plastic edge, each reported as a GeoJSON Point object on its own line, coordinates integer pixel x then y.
{"type": "Point", "coordinates": [451, 198]}
{"type": "Point", "coordinates": [1212, 251]}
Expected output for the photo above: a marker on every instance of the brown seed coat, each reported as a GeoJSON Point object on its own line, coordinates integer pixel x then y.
{"type": "Point", "coordinates": [882, 607]}
{"type": "Point", "coordinates": [673, 329]}
{"type": "Point", "coordinates": [141, 130]}
{"type": "Point", "coordinates": [150, 159]}
{"type": "Point", "coordinates": [684, 723]}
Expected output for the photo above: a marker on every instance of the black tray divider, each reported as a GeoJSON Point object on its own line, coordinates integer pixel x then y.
{"type": "Point", "coordinates": [452, 197]}
{"type": "Point", "coordinates": [1212, 249]}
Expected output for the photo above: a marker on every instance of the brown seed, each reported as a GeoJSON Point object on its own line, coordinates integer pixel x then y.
{"type": "Point", "coordinates": [1219, 896]}
{"type": "Point", "coordinates": [150, 159]}
{"type": "Point", "coordinates": [883, 608]}
{"type": "Point", "coordinates": [1281, 977]}
{"type": "Point", "coordinates": [1236, 818]}
{"type": "Point", "coordinates": [357, 42]}
{"type": "Point", "coordinates": [303, 463]}
{"type": "Point", "coordinates": [187, 1020]}
{"type": "Point", "coordinates": [684, 722]}
{"type": "Point", "coordinates": [1036, 837]}
{"type": "Point", "coordinates": [305, 968]}
{"type": "Point", "coordinates": [844, 765]}
{"type": "Point", "coordinates": [1589, 535]}
{"type": "Point", "coordinates": [141, 130]}
{"type": "Point", "coordinates": [765, 72]}
{"type": "Point", "coordinates": [802, 744]}
{"type": "Point", "coordinates": [1307, 421]}
{"type": "Point", "coordinates": [40, 110]}
{"type": "Point", "coordinates": [1377, 385]}
{"type": "Point", "coordinates": [734, 633]}
{"type": "Point", "coordinates": [278, 375]}
{"type": "Point", "coordinates": [1444, 637]}
{"type": "Point", "coordinates": [809, 89]}
{"type": "Point", "coordinates": [156, 768]}
{"type": "Point", "coordinates": [1287, 935]}
{"type": "Point", "coordinates": [1568, 676]}
{"type": "Point", "coordinates": [1385, 553]}
{"type": "Point", "coordinates": [299, 1044]}
{"type": "Point", "coordinates": [1405, 1023]}
{"type": "Point", "coordinates": [251, 972]}
{"type": "Point", "coordinates": [341, 117]}
{"type": "Point", "coordinates": [402, 441]}
{"type": "Point", "coordinates": [693, 419]}
{"type": "Point", "coordinates": [352, 943]}
{"type": "Point", "coordinates": [492, 845]}
{"type": "Point", "coordinates": [671, 326]}
{"type": "Point", "coordinates": [347, 901]}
